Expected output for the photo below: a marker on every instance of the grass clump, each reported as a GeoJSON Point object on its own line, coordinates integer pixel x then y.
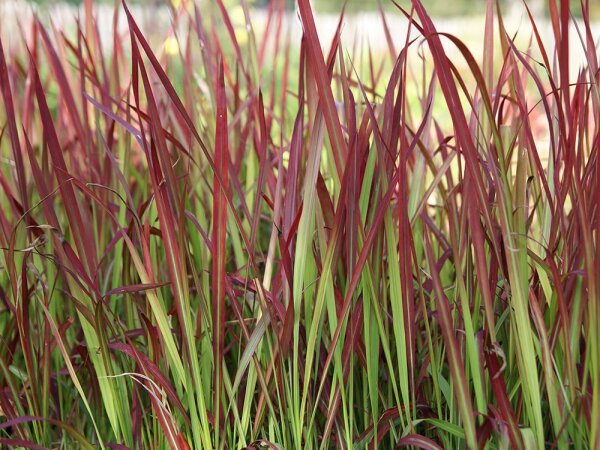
{"type": "Point", "coordinates": [216, 242]}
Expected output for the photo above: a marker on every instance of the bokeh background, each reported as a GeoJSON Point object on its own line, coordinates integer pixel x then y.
{"type": "Point", "coordinates": [436, 7]}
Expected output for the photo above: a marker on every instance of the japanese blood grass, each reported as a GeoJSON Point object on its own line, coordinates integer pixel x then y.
{"type": "Point", "coordinates": [240, 241]}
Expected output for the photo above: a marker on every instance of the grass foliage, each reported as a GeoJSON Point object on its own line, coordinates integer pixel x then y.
{"type": "Point", "coordinates": [224, 239]}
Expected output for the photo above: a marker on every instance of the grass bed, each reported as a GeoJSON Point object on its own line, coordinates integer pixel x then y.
{"type": "Point", "coordinates": [219, 238]}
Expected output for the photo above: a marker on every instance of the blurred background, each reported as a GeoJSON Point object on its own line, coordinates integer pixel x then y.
{"type": "Point", "coordinates": [435, 7]}
{"type": "Point", "coordinates": [362, 23]}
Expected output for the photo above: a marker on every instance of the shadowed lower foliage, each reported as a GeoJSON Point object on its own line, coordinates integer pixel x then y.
{"type": "Point", "coordinates": [219, 238]}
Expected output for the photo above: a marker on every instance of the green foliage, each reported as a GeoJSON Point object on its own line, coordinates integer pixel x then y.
{"type": "Point", "coordinates": [229, 240]}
